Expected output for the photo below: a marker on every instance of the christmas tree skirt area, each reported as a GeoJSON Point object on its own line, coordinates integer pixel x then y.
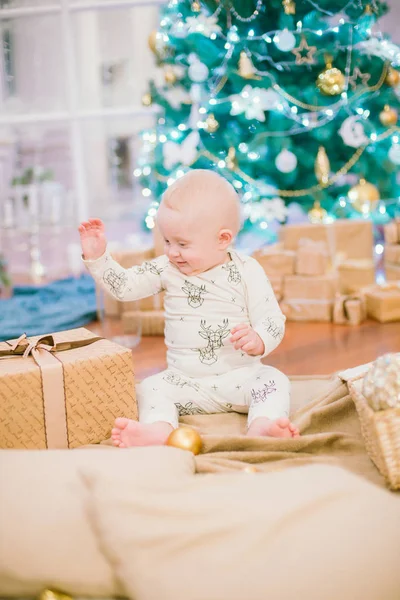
{"type": "Point", "coordinates": [60, 305]}
{"type": "Point", "coordinates": [96, 513]}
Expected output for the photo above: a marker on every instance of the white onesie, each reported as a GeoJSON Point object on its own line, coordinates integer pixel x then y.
{"type": "Point", "coordinates": [205, 373]}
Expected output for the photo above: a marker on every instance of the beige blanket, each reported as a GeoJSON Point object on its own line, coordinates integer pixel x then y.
{"type": "Point", "coordinates": [330, 433]}
{"type": "Point", "coordinates": [323, 410]}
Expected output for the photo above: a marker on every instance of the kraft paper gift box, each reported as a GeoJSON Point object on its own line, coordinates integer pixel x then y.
{"type": "Point", "coordinates": [354, 238]}
{"type": "Point", "coordinates": [349, 310]}
{"type": "Point", "coordinates": [152, 322]}
{"type": "Point", "coordinates": [355, 275]}
{"type": "Point", "coordinates": [383, 302]}
{"type": "Point", "coordinates": [307, 310]}
{"type": "Point", "coordinates": [63, 390]}
{"type": "Point", "coordinates": [392, 232]}
{"type": "Point", "coordinates": [392, 272]}
{"type": "Point", "coordinates": [392, 254]}
{"type": "Point", "coordinates": [275, 261]}
{"type": "Point", "coordinates": [305, 287]}
{"type": "Point", "coordinates": [311, 258]}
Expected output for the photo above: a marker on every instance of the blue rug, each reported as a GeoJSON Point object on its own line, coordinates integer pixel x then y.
{"type": "Point", "coordinates": [60, 305]}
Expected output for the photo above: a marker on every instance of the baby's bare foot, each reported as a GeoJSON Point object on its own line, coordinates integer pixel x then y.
{"type": "Point", "coordinates": [281, 428]}
{"type": "Point", "coordinates": [128, 433]}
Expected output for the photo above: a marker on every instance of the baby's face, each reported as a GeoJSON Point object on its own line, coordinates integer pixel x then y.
{"type": "Point", "coordinates": [189, 245]}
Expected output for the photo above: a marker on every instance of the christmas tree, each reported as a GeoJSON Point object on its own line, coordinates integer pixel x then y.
{"type": "Point", "coordinates": [295, 102]}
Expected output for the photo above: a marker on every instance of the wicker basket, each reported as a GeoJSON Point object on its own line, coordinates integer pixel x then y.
{"type": "Point", "coordinates": [381, 431]}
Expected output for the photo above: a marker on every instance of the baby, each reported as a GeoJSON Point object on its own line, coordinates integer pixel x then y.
{"type": "Point", "coordinates": [221, 316]}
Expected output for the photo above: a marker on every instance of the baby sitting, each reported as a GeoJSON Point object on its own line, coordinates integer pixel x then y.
{"type": "Point", "coordinates": [221, 316]}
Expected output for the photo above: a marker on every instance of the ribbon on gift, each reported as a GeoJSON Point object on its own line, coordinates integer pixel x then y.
{"type": "Point", "coordinates": [43, 351]}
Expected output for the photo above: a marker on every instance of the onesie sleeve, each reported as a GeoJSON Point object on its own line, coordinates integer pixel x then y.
{"type": "Point", "coordinates": [265, 315]}
{"type": "Point", "coordinates": [131, 284]}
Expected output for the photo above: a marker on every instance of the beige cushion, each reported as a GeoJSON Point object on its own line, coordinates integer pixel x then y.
{"type": "Point", "coordinates": [45, 538]}
{"type": "Point", "coordinates": [313, 532]}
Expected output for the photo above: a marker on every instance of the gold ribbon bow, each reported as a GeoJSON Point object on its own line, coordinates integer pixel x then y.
{"type": "Point", "coordinates": [43, 351]}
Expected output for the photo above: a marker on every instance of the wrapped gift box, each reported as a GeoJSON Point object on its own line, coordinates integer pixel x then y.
{"type": "Point", "coordinates": [392, 232]}
{"type": "Point", "coordinates": [355, 275]}
{"type": "Point", "coordinates": [383, 302]}
{"type": "Point", "coordinates": [152, 322]}
{"type": "Point", "coordinates": [64, 393]}
{"type": "Point", "coordinates": [312, 258]}
{"type": "Point", "coordinates": [392, 272]}
{"type": "Point", "coordinates": [276, 261]}
{"type": "Point", "coordinates": [349, 310]}
{"type": "Point", "coordinates": [353, 238]}
{"type": "Point", "coordinates": [392, 254]}
{"type": "Point", "coordinates": [307, 310]}
{"type": "Point", "coordinates": [302, 287]}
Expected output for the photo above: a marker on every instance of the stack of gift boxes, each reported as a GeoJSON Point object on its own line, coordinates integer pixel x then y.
{"type": "Point", "coordinates": [325, 272]}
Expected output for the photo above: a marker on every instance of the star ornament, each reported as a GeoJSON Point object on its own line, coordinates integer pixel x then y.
{"type": "Point", "coordinates": [356, 76]}
{"type": "Point", "coordinates": [304, 53]}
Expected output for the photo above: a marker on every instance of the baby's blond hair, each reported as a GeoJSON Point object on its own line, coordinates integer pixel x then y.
{"type": "Point", "coordinates": [208, 194]}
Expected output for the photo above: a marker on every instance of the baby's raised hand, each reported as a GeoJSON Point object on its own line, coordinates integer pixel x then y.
{"type": "Point", "coordinates": [93, 239]}
{"type": "Point", "coordinates": [246, 339]}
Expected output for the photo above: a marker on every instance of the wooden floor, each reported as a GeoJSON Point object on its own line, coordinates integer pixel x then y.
{"type": "Point", "coordinates": [307, 349]}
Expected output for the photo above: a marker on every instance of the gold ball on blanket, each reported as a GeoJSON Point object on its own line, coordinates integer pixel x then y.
{"type": "Point", "coordinates": [381, 385]}
{"type": "Point", "coordinates": [363, 196]}
{"type": "Point", "coordinates": [392, 77]}
{"type": "Point", "coordinates": [388, 116]}
{"type": "Point", "coordinates": [53, 595]}
{"type": "Point", "coordinates": [185, 438]}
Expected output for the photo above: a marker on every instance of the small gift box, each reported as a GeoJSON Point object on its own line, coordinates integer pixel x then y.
{"type": "Point", "coordinates": [349, 310]}
{"type": "Point", "coordinates": [276, 261]}
{"type": "Point", "coordinates": [63, 390]}
{"type": "Point", "coordinates": [391, 232]}
{"type": "Point", "coordinates": [392, 254]}
{"type": "Point", "coordinates": [152, 322]}
{"type": "Point", "coordinates": [353, 237]}
{"type": "Point", "coordinates": [311, 258]}
{"type": "Point", "coordinates": [307, 310]}
{"type": "Point", "coordinates": [303, 287]}
{"type": "Point", "coordinates": [383, 302]}
{"type": "Point", "coordinates": [355, 275]}
{"type": "Point", "coordinates": [392, 272]}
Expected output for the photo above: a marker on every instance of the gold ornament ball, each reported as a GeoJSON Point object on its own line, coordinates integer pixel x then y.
{"type": "Point", "coordinates": [331, 81]}
{"type": "Point", "coordinates": [48, 594]}
{"type": "Point", "coordinates": [169, 76]}
{"type": "Point", "coordinates": [147, 100]}
{"type": "Point", "coordinates": [381, 384]}
{"type": "Point", "coordinates": [211, 124]}
{"type": "Point", "coordinates": [392, 77]}
{"type": "Point", "coordinates": [185, 438]}
{"type": "Point", "coordinates": [388, 116]}
{"type": "Point", "coordinates": [196, 6]}
{"type": "Point", "coordinates": [363, 196]}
